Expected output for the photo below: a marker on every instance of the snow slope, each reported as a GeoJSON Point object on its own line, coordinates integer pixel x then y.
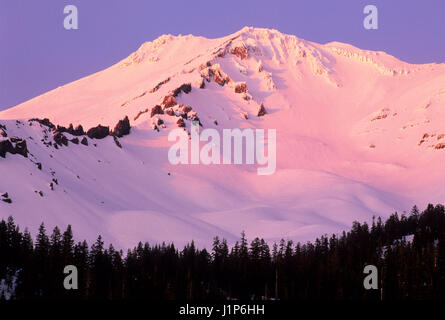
{"type": "Point", "coordinates": [359, 134]}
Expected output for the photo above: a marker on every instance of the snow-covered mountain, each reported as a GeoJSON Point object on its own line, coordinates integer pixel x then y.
{"type": "Point", "coordinates": [359, 133]}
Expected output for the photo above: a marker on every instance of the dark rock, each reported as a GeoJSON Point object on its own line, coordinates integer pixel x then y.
{"type": "Point", "coordinates": [15, 139]}
{"type": "Point", "coordinates": [84, 141]}
{"type": "Point", "coordinates": [122, 128]}
{"type": "Point", "coordinates": [3, 131]}
{"type": "Point", "coordinates": [116, 141]}
{"type": "Point", "coordinates": [39, 165]}
{"type": "Point", "coordinates": [219, 79]}
{"type": "Point", "coordinates": [176, 92]}
{"type": "Point", "coordinates": [157, 109]}
{"type": "Point", "coordinates": [76, 132]}
{"type": "Point", "coordinates": [220, 53]}
{"type": "Point", "coordinates": [169, 101]}
{"type": "Point", "coordinates": [61, 129]}
{"type": "Point", "coordinates": [7, 200]}
{"type": "Point", "coordinates": [75, 141]}
{"type": "Point", "coordinates": [186, 88]}
{"type": "Point", "coordinates": [180, 123]}
{"type": "Point", "coordinates": [202, 85]}
{"type": "Point", "coordinates": [207, 74]}
{"type": "Point", "coordinates": [19, 148]}
{"type": "Point", "coordinates": [205, 65]}
{"type": "Point", "coordinates": [44, 122]}
{"type": "Point", "coordinates": [170, 112]}
{"type": "Point", "coordinates": [240, 52]}
{"type": "Point", "coordinates": [241, 87]}
{"type": "Point", "coordinates": [98, 132]}
{"type": "Point", "coordinates": [5, 195]}
{"type": "Point", "coordinates": [158, 122]}
{"type": "Point", "coordinates": [261, 111]}
{"type": "Point", "coordinates": [185, 108]}
{"type": "Point", "coordinates": [60, 139]}
{"type": "Point", "coordinates": [140, 113]}
{"type": "Point", "coordinates": [159, 85]}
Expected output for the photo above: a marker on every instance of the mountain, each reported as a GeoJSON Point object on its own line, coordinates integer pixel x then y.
{"type": "Point", "coordinates": [358, 133]}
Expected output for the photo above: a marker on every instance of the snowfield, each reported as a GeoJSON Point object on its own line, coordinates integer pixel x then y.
{"type": "Point", "coordinates": [359, 133]}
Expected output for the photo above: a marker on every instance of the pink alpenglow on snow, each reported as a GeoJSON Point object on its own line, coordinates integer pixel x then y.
{"type": "Point", "coordinates": [358, 133]}
{"type": "Point", "coordinates": [211, 153]}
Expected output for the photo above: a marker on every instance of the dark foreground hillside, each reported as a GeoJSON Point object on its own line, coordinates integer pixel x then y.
{"type": "Point", "coordinates": [408, 250]}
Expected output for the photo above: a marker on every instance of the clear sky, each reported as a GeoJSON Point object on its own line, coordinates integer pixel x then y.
{"type": "Point", "coordinates": [37, 54]}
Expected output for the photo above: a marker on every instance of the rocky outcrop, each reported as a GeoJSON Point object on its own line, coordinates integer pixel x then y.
{"type": "Point", "coordinates": [75, 132]}
{"type": "Point", "coordinates": [220, 77]}
{"type": "Point", "coordinates": [185, 108]}
{"type": "Point", "coordinates": [116, 141]}
{"type": "Point", "coordinates": [158, 122]}
{"type": "Point", "coordinates": [159, 85]}
{"type": "Point", "coordinates": [180, 122]}
{"type": "Point", "coordinates": [84, 141]}
{"type": "Point", "coordinates": [44, 122]}
{"type": "Point", "coordinates": [170, 112]}
{"type": "Point", "coordinates": [205, 65]}
{"type": "Point", "coordinates": [157, 109]}
{"type": "Point", "coordinates": [21, 148]}
{"type": "Point", "coordinates": [241, 87]}
{"type": "Point", "coordinates": [5, 198]}
{"type": "Point", "coordinates": [13, 145]}
{"type": "Point", "coordinates": [98, 132]}
{"type": "Point", "coordinates": [241, 52]}
{"type": "Point", "coordinates": [186, 88]}
{"type": "Point", "coordinates": [3, 131]}
{"type": "Point", "coordinates": [202, 83]}
{"type": "Point", "coordinates": [140, 113]}
{"type": "Point", "coordinates": [261, 111]}
{"type": "Point", "coordinates": [5, 147]}
{"type": "Point", "coordinates": [122, 128]}
{"type": "Point", "coordinates": [60, 139]}
{"type": "Point", "coordinates": [216, 73]}
{"type": "Point", "coordinates": [169, 101]}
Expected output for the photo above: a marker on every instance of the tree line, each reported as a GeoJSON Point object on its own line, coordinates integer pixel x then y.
{"type": "Point", "coordinates": [408, 250]}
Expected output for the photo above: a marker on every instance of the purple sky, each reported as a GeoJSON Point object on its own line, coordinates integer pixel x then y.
{"type": "Point", "coordinates": [37, 54]}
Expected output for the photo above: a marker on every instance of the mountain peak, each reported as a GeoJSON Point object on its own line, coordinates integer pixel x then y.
{"type": "Point", "coordinates": [350, 124]}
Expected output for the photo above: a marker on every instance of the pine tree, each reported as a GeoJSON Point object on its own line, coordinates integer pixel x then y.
{"type": "Point", "coordinates": [68, 246]}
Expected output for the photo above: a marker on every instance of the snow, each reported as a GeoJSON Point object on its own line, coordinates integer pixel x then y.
{"type": "Point", "coordinates": [323, 100]}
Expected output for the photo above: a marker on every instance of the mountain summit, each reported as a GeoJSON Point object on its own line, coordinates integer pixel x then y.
{"type": "Point", "coordinates": [359, 133]}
